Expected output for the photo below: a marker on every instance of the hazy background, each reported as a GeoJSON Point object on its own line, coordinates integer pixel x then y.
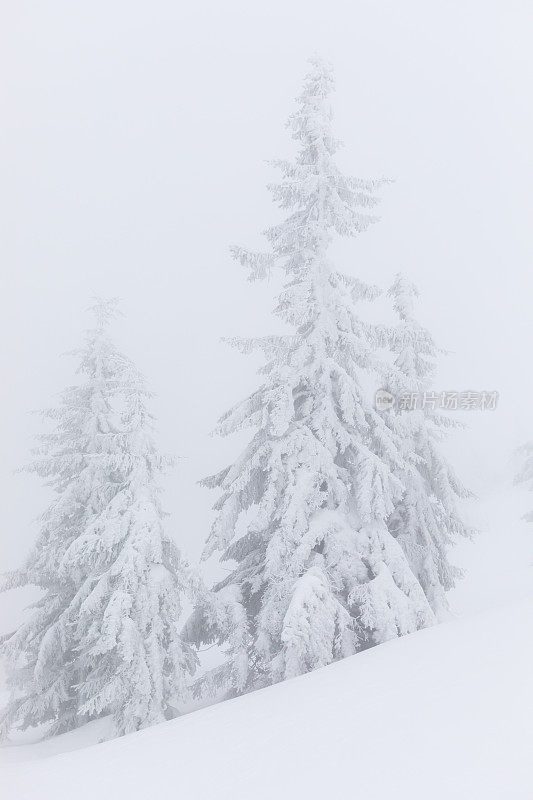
{"type": "Point", "coordinates": [133, 146]}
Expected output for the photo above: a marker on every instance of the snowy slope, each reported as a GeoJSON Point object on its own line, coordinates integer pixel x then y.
{"type": "Point", "coordinates": [444, 713]}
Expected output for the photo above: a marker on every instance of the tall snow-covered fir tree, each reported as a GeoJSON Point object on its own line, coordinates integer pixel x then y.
{"type": "Point", "coordinates": [303, 511]}
{"type": "Point", "coordinates": [426, 520]}
{"type": "Point", "coordinates": [103, 639]}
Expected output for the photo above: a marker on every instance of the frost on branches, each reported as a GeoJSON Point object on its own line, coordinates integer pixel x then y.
{"type": "Point", "coordinates": [425, 521]}
{"type": "Point", "coordinates": [103, 638]}
{"type": "Point", "coordinates": [318, 575]}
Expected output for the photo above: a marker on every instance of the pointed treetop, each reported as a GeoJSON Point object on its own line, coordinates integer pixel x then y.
{"type": "Point", "coordinates": [311, 122]}
{"type": "Point", "coordinates": [403, 292]}
{"type": "Point", "coordinates": [320, 79]}
{"type": "Point", "coordinates": [105, 310]}
{"type": "Point", "coordinates": [321, 199]}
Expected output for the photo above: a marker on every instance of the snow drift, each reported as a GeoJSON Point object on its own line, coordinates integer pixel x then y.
{"type": "Point", "coordinates": [445, 712]}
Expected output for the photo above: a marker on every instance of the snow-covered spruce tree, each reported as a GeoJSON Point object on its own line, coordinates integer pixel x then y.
{"type": "Point", "coordinates": [426, 521]}
{"type": "Point", "coordinates": [103, 638]}
{"type": "Point", "coordinates": [318, 576]}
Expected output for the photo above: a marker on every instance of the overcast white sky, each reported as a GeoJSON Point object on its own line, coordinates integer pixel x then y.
{"type": "Point", "coordinates": [133, 147]}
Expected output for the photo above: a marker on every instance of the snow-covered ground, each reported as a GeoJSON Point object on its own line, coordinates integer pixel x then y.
{"type": "Point", "coordinates": [447, 712]}
{"type": "Point", "coordinates": [444, 713]}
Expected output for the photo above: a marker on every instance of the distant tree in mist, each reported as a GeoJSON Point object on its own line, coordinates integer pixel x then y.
{"type": "Point", "coordinates": [303, 510]}
{"type": "Point", "coordinates": [103, 638]}
{"type": "Point", "coordinates": [525, 473]}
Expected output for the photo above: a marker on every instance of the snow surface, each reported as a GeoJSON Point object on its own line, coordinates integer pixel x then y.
{"type": "Point", "coordinates": [443, 713]}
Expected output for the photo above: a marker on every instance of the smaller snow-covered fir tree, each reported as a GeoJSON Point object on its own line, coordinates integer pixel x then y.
{"type": "Point", "coordinates": [426, 521]}
{"type": "Point", "coordinates": [103, 639]}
